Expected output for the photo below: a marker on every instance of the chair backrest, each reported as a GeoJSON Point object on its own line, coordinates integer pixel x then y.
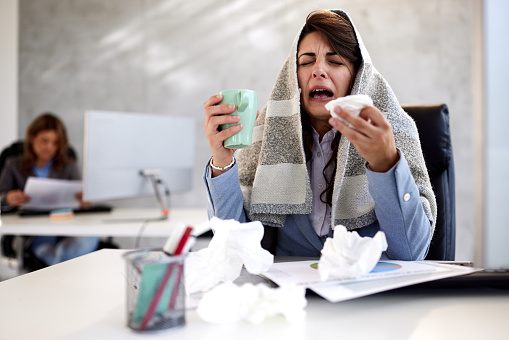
{"type": "Point", "coordinates": [433, 126]}
{"type": "Point", "coordinates": [14, 149]}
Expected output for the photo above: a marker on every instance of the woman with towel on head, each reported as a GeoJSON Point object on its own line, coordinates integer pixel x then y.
{"type": "Point", "coordinates": [306, 171]}
{"type": "Point", "coordinates": [44, 155]}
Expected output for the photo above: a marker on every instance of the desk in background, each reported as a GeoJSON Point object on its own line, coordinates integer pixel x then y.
{"type": "Point", "coordinates": [118, 222]}
{"type": "Point", "coordinates": [85, 298]}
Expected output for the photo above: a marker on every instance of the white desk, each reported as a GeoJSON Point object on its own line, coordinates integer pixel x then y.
{"type": "Point", "coordinates": [100, 224]}
{"type": "Point", "coordinates": [84, 298]}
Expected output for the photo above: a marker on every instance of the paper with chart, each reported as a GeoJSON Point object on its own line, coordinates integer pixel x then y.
{"type": "Point", "coordinates": [50, 193]}
{"type": "Point", "coordinates": [385, 276]}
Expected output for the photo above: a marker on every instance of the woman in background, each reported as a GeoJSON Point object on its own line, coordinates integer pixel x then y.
{"type": "Point", "coordinates": [44, 155]}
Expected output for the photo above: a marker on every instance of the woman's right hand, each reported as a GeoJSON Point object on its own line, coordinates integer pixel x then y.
{"type": "Point", "coordinates": [215, 115]}
{"type": "Point", "coordinates": [15, 198]}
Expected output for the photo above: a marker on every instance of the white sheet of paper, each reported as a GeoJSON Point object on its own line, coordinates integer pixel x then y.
{"type": "Point", "coordinates": [49, 193]}
{"type": "Point", "coordinates": [385, 276]}
{"type": "Point", "coordinates": [337, 292]}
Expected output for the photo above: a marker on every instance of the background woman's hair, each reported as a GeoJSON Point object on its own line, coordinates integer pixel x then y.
{"type": "Point", "coordinates": [339, 33]}
{"type": "Point", "coordinates": [44, 122]}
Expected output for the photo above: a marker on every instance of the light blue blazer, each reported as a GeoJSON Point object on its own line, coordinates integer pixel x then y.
{"type": "Point", "coordinates": [397, 207]}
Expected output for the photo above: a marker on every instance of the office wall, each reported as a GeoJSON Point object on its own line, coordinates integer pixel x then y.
{"type": "Point", "coordinates": [169, 56]}
{"type": "Point", "coordinates": [8, 71]}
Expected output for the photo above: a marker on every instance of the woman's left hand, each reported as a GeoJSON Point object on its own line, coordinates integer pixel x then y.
{"type": "Point", "coordinates": [371, 135]}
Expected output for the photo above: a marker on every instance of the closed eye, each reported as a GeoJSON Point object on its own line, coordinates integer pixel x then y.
{"type": "Point", "coordinates": [335, 59]}
{"type": "Point", "coordinates": [305, 63]}
{"type": "Point", "coordinates": [306, 58]}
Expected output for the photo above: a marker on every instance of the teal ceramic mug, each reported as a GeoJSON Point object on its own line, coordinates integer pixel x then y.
{"type": "Point", "coordinates": [246, 106]}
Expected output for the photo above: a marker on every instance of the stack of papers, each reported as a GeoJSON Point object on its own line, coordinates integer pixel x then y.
{"type": "Point", "coordinates": [385, 276]}
{"type": "Point", "coordinates": [50, 194]}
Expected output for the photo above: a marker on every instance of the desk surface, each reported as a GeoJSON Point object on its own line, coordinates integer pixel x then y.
{"type": "Point", "coordinates": [84, 298]}
{"type": "Point", "coordinates": [118, 222]}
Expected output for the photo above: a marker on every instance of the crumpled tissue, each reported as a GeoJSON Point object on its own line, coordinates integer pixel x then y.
{"type": "Point", "coordinates": [348, 255]}
{"type": "Point", "coordinates": [229, 302]}
{"type": "Point", "coordinates": [353, 104]}
{"type": "Point", "coordinates": [234, 244]}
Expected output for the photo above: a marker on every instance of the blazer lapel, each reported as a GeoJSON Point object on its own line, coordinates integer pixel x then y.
{"type": "Point", "coordinates": [307, 231]}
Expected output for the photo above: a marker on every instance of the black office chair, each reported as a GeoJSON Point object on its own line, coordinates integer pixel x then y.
{"type": "Point", "coordinates": [433, 125]}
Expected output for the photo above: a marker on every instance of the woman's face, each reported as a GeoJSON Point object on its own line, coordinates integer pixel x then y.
{"type": "Point", "coordinates": [323, 75]}
{"type": "Point", "coordinates": [45, 145]}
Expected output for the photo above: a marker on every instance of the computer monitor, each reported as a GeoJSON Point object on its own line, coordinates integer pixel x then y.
{"type": "Point", "coordinates": [124, 152]}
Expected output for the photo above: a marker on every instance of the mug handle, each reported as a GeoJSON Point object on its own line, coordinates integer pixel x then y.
{"type": "Point", "coordinates": [243, 101]}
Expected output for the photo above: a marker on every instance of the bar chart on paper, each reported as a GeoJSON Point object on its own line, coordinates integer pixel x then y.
{"type": "Point", "coordinates": [380, 267]}
{"type": "Point", "coordinates": [383, 267]}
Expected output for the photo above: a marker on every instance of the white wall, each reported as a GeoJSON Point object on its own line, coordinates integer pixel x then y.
{"type": "Point", "coordinates": [497, 125]}
{"type": "Point", "coordinates": [8, 71]}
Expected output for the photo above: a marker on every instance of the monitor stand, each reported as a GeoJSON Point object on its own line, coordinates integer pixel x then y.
{"type": "Point", "coordinates": [152, 174]}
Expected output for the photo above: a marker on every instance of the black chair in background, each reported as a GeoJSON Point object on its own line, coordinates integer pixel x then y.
{"type": "Point", "coordinates": [433, 125]}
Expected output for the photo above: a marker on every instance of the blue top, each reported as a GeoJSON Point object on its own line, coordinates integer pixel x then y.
{"type": "Point", "coordinates": [397, 206]}
{"type": "Point", "coordinates": [43, 172]}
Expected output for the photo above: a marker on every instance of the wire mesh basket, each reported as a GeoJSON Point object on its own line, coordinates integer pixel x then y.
{"type": "Point", "coordinates": [155, 291]}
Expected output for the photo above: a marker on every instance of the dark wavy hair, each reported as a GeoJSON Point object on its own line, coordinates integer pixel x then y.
{"type": "Point", "coordinates": [44, 122]}
{"type": "Point", "coordinates": [340, 34]}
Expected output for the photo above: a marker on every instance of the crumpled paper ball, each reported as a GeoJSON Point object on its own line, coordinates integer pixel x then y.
{"type": "Point", "coordinates": [233, 245]}
{"type": "Point", "coordinates": [228, 303]}
{"type": "Point", "coordinates": [347, 255]}
{"type": "Point", "coordinates": [353, 104]}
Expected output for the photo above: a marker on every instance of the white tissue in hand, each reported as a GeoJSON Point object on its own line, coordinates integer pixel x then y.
{"type": "Point", "coordinates": [353, 104]}
{"type": "Point", "coordinates": [234, 244]}
{"type": "Point", "coordinates": [347, 255]}
{"type": "Point", "coordinates": [229, 302]}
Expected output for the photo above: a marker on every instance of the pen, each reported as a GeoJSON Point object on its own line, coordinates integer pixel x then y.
{"type": "Point", "coordinates": [183, 241]}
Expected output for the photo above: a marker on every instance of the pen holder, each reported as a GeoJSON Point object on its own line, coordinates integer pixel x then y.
{"type": "Point", "coordinates": [155, 291]}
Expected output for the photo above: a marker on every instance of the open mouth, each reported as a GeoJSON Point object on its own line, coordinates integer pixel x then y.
{"type": "Point", "coordinates": [321, 93]}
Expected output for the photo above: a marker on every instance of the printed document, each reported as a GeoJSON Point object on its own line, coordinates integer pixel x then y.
{"type": "Point", "coordinates": [385, 276]}
{"type": "Point", "coordinates": [49, 193]}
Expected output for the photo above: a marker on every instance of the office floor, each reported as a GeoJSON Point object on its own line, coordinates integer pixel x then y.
{"type": "Point", "coordinates": [8, 269]}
